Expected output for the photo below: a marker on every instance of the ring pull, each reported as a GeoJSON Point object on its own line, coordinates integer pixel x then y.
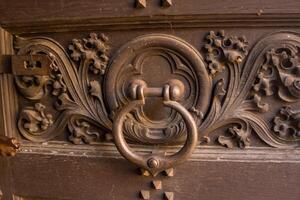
{"type": "Point", "coordinates": [171, 92]}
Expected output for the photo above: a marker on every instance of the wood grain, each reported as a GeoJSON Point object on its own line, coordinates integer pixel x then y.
{"type": "Point", "coordinates": [93, 179]}
{"type": "Point", "coordinates": [14, 11]}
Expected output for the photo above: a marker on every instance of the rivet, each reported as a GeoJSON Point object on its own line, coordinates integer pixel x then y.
{"type": "Point", "coordinates": [145, 194]}
{"type": "Point", "coordinates": [167, 3]}
{"type": "Point", "coordinates": [168, 195]}
{"type": "Point", "coordinates": [169, 172]}
{"type": "Point", "coordinates": [141, 4]}
{"type": "Point", "coordinates": [157, 184]}
{"type": "Point", "coordinates": [153, 163]}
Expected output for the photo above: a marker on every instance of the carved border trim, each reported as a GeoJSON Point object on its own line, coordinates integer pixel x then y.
{"type": "Point", "coordinates": [108, 150]}
{"type": "Point", "coordinates": [7, 90]}
{"type": "Point", "coordinates": [182, 21]}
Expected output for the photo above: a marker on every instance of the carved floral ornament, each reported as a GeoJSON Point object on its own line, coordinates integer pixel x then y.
{"type": "Point", "coordinates": [75, 94]}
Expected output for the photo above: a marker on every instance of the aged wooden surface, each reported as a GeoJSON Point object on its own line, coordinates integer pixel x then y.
{"type": "Point", "coordinates": [114, 179]}
{"type": "Point", "coordinates": [30, 10]}
{"type": "Point", "coordinates": [234, 66]}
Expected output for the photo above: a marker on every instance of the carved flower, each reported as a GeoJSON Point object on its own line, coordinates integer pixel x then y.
{"type": "Point", "coordinates": [238, 136]}
{"type": "Point", "coordinates": [222, 50]}
{"type": "Point", "coordinates": [287, 123]}
{"type": "Point", "coordinates": [92, 52]}
{"type": "Point", "coordinates": [77, 49]}
{"type": "Point", "coordinates": [80, 133]}
{"type": "Point", "coordinates": [279, 74]}
{"type": "Point", "coordinates": [35, 118]}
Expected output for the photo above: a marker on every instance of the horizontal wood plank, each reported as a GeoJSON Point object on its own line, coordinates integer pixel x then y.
{"type": "Point", "coordinates": [15, 11]}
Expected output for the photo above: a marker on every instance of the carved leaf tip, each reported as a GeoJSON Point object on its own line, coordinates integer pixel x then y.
{"type": "Point", "coordinates": [34, 119]}
{"type": "Point", "coordinates": [287, 124]}
{"type": "Point", "coordinates": [239, 137]}
{"type": "Point", "coordinates": [81, 133]}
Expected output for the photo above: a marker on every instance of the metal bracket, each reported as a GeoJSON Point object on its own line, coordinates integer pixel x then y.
{"type": "Point", "coordinates": [25, 64]}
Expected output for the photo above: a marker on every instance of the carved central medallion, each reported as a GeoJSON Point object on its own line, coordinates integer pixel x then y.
{"type": "Point", "coordinates": [157, 59]}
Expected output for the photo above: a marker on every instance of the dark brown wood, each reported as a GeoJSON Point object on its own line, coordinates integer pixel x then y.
{"type": "Point", "coordinates": [230, 69]}
{"type": "Point", "coordinates": [31, 11]}
{"type": "Point", "coordinates": [193, 180]}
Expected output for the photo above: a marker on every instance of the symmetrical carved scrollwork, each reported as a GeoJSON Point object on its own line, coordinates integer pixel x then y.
{"type": "Point", "coordinates": [228, 96]}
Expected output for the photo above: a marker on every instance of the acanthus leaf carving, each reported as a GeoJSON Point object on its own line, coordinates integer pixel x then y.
{"type": "Point", "coordinates": [35, 120]}
{"type": "Point", "coordinates": [81, 133]}
{"type": "Point", "coordinates": [276, 67]}
{"type": "Point", "coordinates": [270, 69]}
{"type": "Point", "coordinates": [74, 96]}
{"type": "Point", "coordinates": [279, 74]}
{"type": "Point", "coordinates": [239, 136]}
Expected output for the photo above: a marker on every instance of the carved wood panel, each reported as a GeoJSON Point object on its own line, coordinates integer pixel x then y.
{"type": "Point", "coordinates": [225, 102]}
{"type": "Point", "coordinates": [227, 87]}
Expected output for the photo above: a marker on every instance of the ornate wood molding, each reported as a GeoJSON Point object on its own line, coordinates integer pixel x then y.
{"type": "Point", "coordinates": [233, 89]}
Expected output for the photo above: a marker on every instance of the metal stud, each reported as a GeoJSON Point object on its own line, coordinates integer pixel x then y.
{"type": "Point", "coordinates": [169, 172]}
{"type": "Point", "coordinates": [156, 184]}
{"type": "Point", "coordinates": [166, 3]}
{"type": "Point", "coordinates": [168, 195]}
{"type": "Point", "coordinates": [141, 4]}
{"type": "Point", "coordinates": [145, 194]}
{"type": "Point", "coordinates": [143, 172]}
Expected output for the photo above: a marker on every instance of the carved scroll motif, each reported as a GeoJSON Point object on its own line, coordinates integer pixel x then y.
{"type": "Point", "coordinates": [77, 93]}
{"type": "Point", "coordinates": [242, 85]}
{"type": "Point", "coordinates": [271, 68]}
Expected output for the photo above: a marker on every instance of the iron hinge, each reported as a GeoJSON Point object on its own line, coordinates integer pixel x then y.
{"type": "Point", "coordinates": [25, 64]}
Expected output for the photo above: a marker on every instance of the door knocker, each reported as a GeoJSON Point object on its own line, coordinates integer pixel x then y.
{"type": "Point", "coordinates": [170, 92]}
{"type": "Point", "coordinates": [153, 85]}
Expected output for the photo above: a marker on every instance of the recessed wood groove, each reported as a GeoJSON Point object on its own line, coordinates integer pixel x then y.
{"type": "Point", "coordinates": [205, 153]}
{"type": "Point", "coordinates": [182, 21]}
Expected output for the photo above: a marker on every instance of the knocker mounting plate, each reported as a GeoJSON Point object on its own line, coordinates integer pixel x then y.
{"type": "Point", "coordinates": [157, 59]}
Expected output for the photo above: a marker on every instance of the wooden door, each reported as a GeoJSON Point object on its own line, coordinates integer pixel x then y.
{"type": "Point", "coordinates": [150, 99]}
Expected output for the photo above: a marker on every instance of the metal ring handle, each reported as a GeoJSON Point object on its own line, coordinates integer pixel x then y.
{"type": "Point", "coordinates": [155, 163]}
